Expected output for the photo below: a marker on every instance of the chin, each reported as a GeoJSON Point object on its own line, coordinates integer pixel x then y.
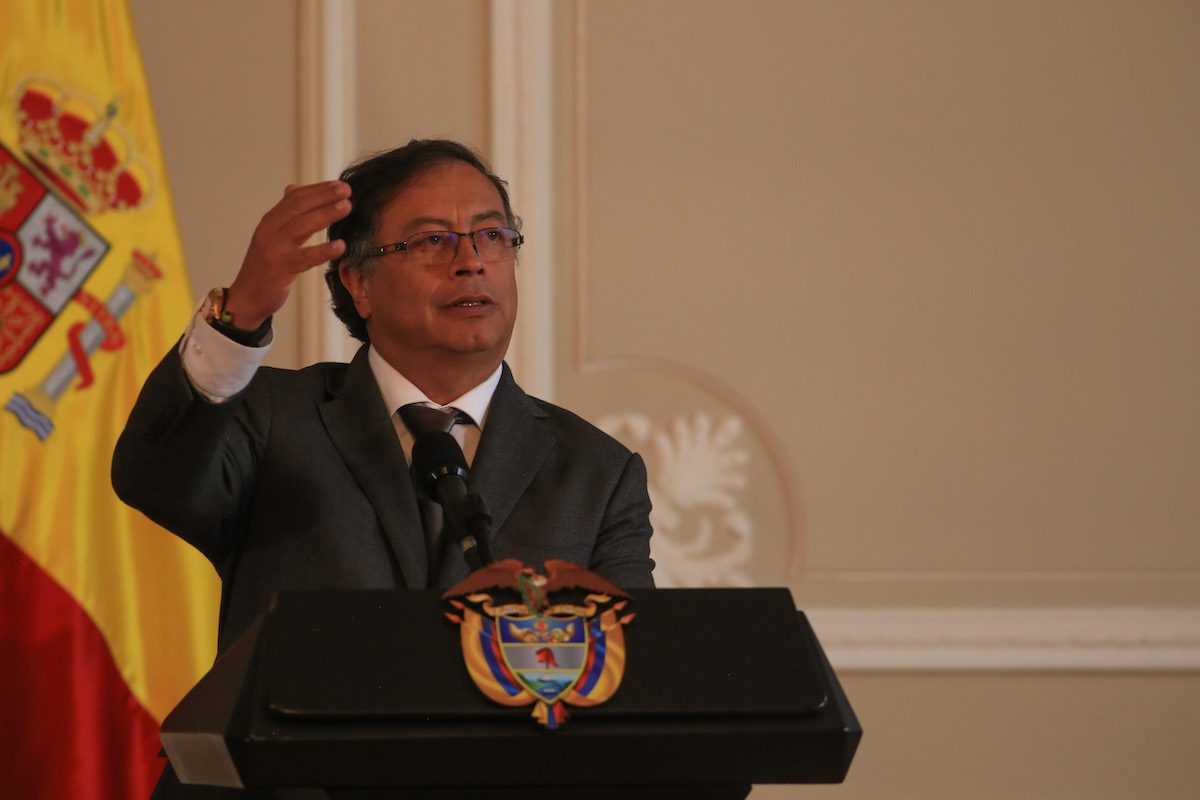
{"type": "Point", "coordinates": [477, 346]}
{"type": "Point", "coordinates": [483, 342]}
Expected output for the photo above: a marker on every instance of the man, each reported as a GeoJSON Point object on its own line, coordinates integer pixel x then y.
{"type": "Point", "coordinates": [299, 479]}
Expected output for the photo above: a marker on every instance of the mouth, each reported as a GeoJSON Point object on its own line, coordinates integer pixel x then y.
{"type": "Point", "coordinates": [470, 301]}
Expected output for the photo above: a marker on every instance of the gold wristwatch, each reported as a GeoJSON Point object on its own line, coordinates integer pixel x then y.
{"type": "Point", "coordinates": [220, 319]}
{"type": "Point", "coordinates": [214, 307]}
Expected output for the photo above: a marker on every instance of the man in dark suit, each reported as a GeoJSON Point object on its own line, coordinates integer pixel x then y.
{"type": "Point", "coordinates": [299, 479]}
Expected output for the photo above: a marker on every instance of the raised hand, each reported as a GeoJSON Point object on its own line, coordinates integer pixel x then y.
{"type": "Point", "coordinates": [279, 249]}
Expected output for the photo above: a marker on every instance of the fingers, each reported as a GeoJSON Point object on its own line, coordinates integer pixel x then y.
{"type": "Point", "coordinates": [279, 248]}
{"type": "Point", "coordinates": [282, 236]}
{"type": "Point", "coordinates": [301, 227]}
{"type": "Point", "coordinates": [305, 210]}
{"type": "Point", "coordinates": [298, 199]}
{"type": "Point", "coordinates": [323, 251]}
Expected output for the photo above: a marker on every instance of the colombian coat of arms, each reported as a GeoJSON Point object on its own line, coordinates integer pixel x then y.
{"type": "Point", "coordinates": [549, 640]}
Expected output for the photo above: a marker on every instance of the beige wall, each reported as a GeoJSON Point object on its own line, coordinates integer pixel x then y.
{"type": "Point", "coordinates": [1064, 736]}
{"type": "Point", "coordinates": [947, 253]}
{"type": "Point", "coordinates": [222, 80]}
{"type": "Point", "coordinates": [896, 299]}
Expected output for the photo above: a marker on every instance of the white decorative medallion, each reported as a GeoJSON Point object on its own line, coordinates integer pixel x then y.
{"type": "Point", "coordinates": [697, 468]}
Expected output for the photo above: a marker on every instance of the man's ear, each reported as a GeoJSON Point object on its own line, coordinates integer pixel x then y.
{"type": "Point", "coordinates": [356, 284]}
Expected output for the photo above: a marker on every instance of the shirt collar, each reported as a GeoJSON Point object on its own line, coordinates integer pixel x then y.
{"type": "Point", "coordinates": [398, 390]}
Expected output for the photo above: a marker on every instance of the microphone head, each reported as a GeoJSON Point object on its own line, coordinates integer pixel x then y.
{"type": "Point", "coordinates": [436, 455]}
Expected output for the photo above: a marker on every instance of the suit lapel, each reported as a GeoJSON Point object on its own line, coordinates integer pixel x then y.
{"type": "Point", "coordinates": [361, 429]}
{"type": "Point", "coordinates": [513, 446]}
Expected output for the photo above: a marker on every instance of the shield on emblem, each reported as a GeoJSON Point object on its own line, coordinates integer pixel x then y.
{"type": "Point", "coordinates": [47, 252]}
{"type": "Point", "coordinates": [546, 654]}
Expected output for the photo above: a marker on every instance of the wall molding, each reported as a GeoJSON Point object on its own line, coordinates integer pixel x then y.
{"type": "Point", "coordinates": [522, 140]}
{"type": "Point", "coordinates": [1027, 576]}
{"type": "Point", "coordinates": [326, 139]}
{"type": "Point", "coordinates": [989, 639]}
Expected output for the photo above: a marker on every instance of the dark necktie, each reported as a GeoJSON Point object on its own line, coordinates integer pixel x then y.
{"type": "Point", "coordinates": [421, 419]}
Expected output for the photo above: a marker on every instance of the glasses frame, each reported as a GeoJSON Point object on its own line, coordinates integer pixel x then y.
{"type": "Point", "coordinates": [402, 247]}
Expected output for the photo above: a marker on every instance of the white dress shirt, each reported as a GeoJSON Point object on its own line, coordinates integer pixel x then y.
{"type": "Point", "coordinates": [398, 391]}
{"type": "Point", "coordinates": [217, 366]}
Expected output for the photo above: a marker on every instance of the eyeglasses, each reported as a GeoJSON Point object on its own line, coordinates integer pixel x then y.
{"type": "Point", "coordinates": [439, 248]}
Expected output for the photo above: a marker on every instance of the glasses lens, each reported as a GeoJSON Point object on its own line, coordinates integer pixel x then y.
{"type": "Point", "coordinates": [433, 248]}
{"type": "Point", "coordinates": [496, 244]}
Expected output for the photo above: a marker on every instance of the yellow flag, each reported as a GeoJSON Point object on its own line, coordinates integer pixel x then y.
{"type": "Point", "coordinates": [105, 619]}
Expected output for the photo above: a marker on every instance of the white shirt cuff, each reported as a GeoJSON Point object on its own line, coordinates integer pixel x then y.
{"type": "Point", "coordinates": [217, 366]}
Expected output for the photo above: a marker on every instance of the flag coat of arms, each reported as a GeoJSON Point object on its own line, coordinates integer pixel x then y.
{"type": "Point", "coordinates": [64, 249]}
{"type": "Point", "coordinates": [105, 619]}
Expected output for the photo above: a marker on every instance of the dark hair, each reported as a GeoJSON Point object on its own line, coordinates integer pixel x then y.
{"type": "Point", "coordinates": [375, 181]}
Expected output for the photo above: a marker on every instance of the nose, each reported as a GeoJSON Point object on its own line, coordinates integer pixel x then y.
{"type": "Point", "coordinates": [466, 257]}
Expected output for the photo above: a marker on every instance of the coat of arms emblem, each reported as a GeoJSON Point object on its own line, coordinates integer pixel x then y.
{"type": "Point", "coordinates": [73, 165]}
{"type": "Point", "coordinates": [549, 640]}
{"type": "Point", "coordinates": [47, 252]}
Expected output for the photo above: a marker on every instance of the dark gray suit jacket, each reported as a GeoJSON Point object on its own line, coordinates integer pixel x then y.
{"type": "Point", "coordinates": [299, 482]}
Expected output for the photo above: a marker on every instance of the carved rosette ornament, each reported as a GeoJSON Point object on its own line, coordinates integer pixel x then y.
{"type": "Point", "coordinates": [697, 468]}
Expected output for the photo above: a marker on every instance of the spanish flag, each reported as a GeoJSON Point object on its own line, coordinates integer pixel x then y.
{"type": "Point", "coordinates": [105, 619]}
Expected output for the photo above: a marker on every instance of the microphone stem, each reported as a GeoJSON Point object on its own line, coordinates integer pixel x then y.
{"type": "Point", "coordinates": [480, 528]}
{"type": "Point", "coordinates": [470, 524]}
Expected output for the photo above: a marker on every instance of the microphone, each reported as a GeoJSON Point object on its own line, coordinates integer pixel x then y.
{"type": "Point", "coordinates": [441, 470]}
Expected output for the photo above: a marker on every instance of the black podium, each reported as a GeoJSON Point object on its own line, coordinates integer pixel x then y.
{"type": "Point", "coordinates": [363, 695]}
